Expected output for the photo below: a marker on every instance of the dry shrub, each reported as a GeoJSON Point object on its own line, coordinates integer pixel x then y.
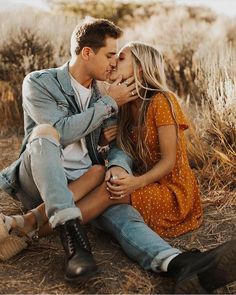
{"type": "Point", "coordinates": [10, 109]}
{"type": "Point", "coordinates": [22, 53]}
{"type": "Point", "coordinates": [213, 147]}
{"type": "Point", "coordinates": [27, 45]}
{"type": "Point", "coordinates": [122, 13]}
{"type": "Point", "coordinates": [202, 72]}
{"type": "Point", "coordinates": [177, 35]}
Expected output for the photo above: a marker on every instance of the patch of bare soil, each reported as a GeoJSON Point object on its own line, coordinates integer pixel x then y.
{"type": "Point", "coordinates": [39, 268]}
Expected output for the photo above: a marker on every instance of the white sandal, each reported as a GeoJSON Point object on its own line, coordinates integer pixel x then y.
{"type": "Point", "coordinates": [10, 243]}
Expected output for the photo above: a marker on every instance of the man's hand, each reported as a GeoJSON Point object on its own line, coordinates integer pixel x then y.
{"type": "Point", "coordinates": [123, 92]}
{"type": "Point", "coordinates": [108, 134]}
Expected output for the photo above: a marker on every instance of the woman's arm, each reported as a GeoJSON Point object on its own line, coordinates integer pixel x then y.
{"type": "Point", "coordinates": [168, 145]}
{"type": "Point", "coordinates": [168, 140]}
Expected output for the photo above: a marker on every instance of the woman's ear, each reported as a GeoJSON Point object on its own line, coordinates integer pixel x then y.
{"type": "Point", "coordinates": [86, 52]}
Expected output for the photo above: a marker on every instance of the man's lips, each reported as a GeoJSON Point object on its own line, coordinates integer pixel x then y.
{"type": "Point", "coordinates": [111, 71]}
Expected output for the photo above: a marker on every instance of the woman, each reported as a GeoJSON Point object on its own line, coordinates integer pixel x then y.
{"type": "Point", "coordinates": [151, 130]}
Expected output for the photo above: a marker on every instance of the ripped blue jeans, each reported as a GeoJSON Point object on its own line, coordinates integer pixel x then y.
{"type": "Point", "coordinates": [42, 178]}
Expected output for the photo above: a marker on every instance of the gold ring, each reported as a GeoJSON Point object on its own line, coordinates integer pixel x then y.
{"type": "Point", "coordinates": [133, 93]}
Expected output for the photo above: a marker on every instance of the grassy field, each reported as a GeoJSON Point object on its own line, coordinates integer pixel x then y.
{"type": "Point", "coordinates": [200, 52]}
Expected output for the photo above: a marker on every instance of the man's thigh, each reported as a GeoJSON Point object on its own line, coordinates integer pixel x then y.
{"type": "Point", "coordinates": [29, 195]}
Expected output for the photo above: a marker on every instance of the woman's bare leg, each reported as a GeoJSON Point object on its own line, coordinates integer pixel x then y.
{"type": "Point", "coordinates": [97, 202]}
{"type": "Point", "coordinates": [79, 187]}
{"type": "Point", "coordinates": [92, 205]}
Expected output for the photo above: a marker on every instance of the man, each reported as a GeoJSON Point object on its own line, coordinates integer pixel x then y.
{"type": "Point", "coordinates": [58, 121]}
{"type": "Point", "coordinates": [63, 114]}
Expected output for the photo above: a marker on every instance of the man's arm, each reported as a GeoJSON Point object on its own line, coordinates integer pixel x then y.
{"type": "Point", "coordinates": [116, 157]}
{"type": "Point", "coordinates": [41, 104]}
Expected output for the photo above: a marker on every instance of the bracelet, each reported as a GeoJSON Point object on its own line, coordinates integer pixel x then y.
{"type": "Point", "coordinates": [103, 149]}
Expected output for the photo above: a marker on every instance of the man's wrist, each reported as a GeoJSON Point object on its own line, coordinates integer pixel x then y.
{"type": "Point", "coordinates": [119, 167]}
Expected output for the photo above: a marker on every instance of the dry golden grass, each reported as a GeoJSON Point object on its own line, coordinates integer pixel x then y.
{"type": "Point", "coordinates": [200, 51]}
{"type": "Point", "coordinates": [39, 268]}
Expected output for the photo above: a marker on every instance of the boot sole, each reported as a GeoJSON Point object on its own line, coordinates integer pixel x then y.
{"type": "Point", "coordinates": [220, 273]}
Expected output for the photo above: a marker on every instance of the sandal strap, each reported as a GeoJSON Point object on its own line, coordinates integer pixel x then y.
{"type": "Point", "coordinates": [8, 220]}
{"type": "Point", "coordinates": [19, 219]}
{"type": "Point", "coordinates": [38, 218]}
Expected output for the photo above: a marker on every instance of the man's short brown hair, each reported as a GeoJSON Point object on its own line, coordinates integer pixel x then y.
{"type": "Point", "coordinates": [93, 33]}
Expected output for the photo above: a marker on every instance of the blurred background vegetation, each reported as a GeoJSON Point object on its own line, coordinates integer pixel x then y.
{"type": "Point", "coordinates": [200, 52]}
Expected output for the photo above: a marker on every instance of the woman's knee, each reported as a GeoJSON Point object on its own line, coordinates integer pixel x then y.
{"type": "Point", "coordinates": [45, 130]}
{"type": "Point", "coordinates": [98, 169]}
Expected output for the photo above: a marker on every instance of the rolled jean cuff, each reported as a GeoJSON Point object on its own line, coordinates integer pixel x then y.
{"type": "Point", "coordinates": [64, 215]}
{"type": "Point", "coordinates": [157, 261]}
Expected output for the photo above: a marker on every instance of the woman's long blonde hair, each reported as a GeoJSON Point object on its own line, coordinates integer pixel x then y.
{"type": "Point", "coordinates": [153, 81]}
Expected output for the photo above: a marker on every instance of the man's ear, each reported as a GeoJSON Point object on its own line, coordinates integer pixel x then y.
{"type": "Point", "coordinates": [86, 53]}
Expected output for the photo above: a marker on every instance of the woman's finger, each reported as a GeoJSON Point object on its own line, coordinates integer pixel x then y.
{"type": "Point", "coordinates": [110, 127]}
{"type": "Point", "coordinates": [117, 181]}
{"type": "Point", "coordinates": [115, 197]}
{"type": "Point", "coordinates": [129, 81]}
{"type": "Point", "coordinates": [114, 188]}
{"type": "Point", "coordinates": [110, 132]}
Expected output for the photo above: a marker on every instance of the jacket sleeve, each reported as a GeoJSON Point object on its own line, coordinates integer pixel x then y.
{"type": "Point", "coordinates": [117, 157]}
{"type": "Point", "coordinates": [42, 104]}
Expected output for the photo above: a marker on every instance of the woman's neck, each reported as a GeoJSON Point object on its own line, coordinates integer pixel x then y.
{"type": "Point", "coordinates": [135, 110]}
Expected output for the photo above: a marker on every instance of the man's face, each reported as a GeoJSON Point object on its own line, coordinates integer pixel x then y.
{"type": "Point", "coordinates": [124, 66]}
{"type": "Point", "coordinates": [103, 62]}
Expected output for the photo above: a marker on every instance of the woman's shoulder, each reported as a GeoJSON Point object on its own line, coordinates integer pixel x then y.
{"type": "Point", "coordinates": [164, 96]}
{"type": "Point", "coordinates": [166, 109]}
{"type": "Point", "coordinates": [164, 99]}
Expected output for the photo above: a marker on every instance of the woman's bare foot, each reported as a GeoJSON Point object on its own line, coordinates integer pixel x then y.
{"type": "Point", "coordinates": [22, 224]}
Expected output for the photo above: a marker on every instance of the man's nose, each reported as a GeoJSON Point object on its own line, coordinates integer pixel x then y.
{"type": "Point", "coordinates": [113, 62]}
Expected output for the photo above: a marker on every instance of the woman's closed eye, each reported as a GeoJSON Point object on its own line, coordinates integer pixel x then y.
{"type": "Point", "coordinates": [121, 56]}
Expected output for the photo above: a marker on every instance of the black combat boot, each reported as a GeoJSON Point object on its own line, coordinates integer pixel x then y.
{"type": "Point", "coordinates": [80, 262]}
{"type": "Point", "coordinates": [202, 272]}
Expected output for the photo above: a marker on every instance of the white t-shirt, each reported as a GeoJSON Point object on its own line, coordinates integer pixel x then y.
{"type": "Point", "coordinates": [76, 160]}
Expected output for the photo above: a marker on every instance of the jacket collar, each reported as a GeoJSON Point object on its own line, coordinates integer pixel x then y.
{"type": "Point", "coordinates": [64, 78]}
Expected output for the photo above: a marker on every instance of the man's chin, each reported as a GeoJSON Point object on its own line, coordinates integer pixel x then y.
{"type": "Point", "coordinates": [111, 79]}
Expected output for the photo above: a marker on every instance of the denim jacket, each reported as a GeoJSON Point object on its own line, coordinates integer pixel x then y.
{"type": "Point", "coordinates": [48, 98]}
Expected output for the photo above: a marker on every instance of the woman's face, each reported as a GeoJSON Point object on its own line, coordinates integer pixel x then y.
{"type": "Point", "coordinates": [124, 65]}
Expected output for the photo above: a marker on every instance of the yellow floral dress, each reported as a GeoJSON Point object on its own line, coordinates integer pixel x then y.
{"type": "Point", "coordinates": [171, 206]}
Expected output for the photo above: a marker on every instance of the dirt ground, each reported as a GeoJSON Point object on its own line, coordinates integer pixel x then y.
{"type": "Point", "coordinates": [39, 268]}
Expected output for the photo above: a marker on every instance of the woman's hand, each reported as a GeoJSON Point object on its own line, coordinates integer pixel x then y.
{"type": "Point", "coordinates": [123, 186]}
{"type": "Point", "coordinates": [108, 134]}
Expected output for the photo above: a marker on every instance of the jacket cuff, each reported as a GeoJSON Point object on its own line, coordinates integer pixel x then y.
{"type": "Point", "coordinates": [121, 164]}
{"type": "Point", "coordinates": [111, 105]}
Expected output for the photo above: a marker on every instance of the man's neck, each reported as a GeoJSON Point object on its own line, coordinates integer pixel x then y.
{"type": "Point", "coordinates": [78, 73]}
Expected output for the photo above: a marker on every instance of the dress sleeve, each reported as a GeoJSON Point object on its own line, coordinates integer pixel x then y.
{"type": "Point", "coordinates": [162, 111]}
